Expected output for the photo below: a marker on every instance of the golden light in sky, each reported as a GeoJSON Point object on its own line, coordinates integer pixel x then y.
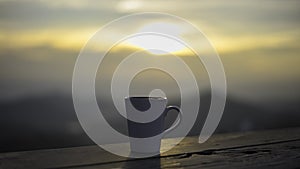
{"type": "Point", "coordinates": [158, 44]}
{"type": "Point", "coordinates": [257, 42]}
{"type": "Point", "coordinates": [128, 5]}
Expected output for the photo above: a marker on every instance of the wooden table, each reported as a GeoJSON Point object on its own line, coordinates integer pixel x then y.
{"type": "Point", "coordinates": [261, 149]}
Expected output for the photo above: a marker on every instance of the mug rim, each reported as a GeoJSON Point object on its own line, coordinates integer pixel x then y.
{"type": "Point", "coordinates": [146, 97]}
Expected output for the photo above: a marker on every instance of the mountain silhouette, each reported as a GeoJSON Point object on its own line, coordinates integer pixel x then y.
{"type": "Point", "coordinates": [50, 121]}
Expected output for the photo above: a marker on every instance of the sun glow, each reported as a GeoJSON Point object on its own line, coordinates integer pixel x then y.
{"type": "Point", "coordinates": [155, 38]}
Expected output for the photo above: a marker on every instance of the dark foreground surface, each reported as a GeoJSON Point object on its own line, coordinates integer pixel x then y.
{"type": "Point", "coordinates": [262, 149]}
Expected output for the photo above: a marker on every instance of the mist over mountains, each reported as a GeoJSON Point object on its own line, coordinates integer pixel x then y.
{"type": "Point", "coordinates": [50, 121]}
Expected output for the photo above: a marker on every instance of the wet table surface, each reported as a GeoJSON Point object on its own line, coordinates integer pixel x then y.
{"type": "Point", "coordinates": [259, 149]}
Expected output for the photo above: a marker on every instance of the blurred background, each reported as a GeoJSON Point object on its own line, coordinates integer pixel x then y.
{"type": "Point", "coordinates": [258, 43]}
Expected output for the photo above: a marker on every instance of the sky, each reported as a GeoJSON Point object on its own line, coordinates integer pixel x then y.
{"type": "Point", "coordinates": [257, 41]}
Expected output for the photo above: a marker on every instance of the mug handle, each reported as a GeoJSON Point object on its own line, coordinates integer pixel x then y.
{"type": "Point", "coordinates": [178, 119]}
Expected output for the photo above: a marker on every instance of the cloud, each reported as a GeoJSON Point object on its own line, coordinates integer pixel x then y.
{"type": "Point", "coordinates": [34, 15]}
{"type": "Point", "coordinates": [231, 25]}
{"type": "Point", "coordinates": [258, 40]}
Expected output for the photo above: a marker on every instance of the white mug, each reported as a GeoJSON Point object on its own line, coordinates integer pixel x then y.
{"type": "Point", "coordinates": [145, 119]}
